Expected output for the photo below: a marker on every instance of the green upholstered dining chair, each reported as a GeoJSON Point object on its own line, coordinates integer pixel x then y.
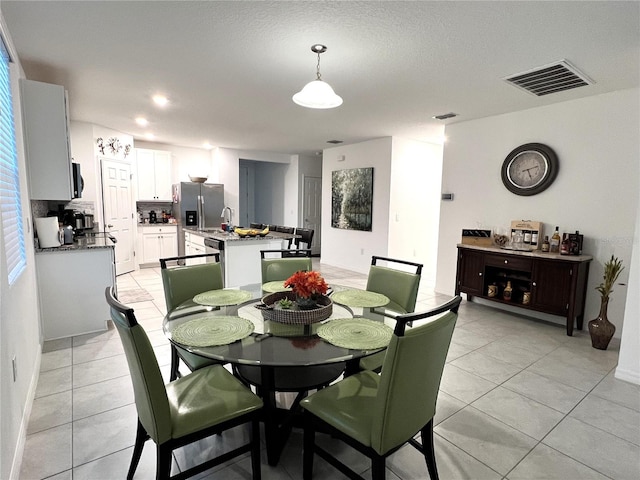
{"type": "Point", "coordinates": [378, 414]}
{"type": "Point", "coordinates": [182, 283]}
{"type": "Point", "coordinates": [196, 406]}
{"type": "Point", "coordinates": [399, 280]}
{"type": "Point", "coordinates": [277, 265]}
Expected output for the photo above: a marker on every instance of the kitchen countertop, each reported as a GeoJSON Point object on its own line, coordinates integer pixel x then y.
{"type": "Point", "coordinates": [218, 234]}
{"type": "Point", "coordinates": [157, 225]}
{"type": "Point", "coordinates": [99, 240]}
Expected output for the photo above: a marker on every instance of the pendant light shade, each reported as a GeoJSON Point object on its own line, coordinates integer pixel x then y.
{"type": "Point", "coordinates": [317, 94]}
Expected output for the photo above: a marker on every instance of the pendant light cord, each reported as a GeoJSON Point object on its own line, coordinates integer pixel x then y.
{"type": "Point", "coordinates": [318, 68]}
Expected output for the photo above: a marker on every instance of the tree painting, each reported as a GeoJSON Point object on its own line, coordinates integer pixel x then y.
{"type": "Point", "coordinates": [352, 199]}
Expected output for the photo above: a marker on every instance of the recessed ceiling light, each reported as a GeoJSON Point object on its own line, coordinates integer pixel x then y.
{"type": "Point", "coordinates": [143, 122]}
{"type": "Point", "coordinates": [160, 100]}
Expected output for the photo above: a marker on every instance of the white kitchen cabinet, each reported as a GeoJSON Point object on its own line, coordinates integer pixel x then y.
{"type": "Point", "coordinates": [154, 175]}
{"type": "Point", "coordinates": [71, 285]}
{"type": "Point", "coordinates": [158, 242]}
{"type": "Point", "coordinates": [194, 245]}
{"type": "Point", "coordinates": [46, 132]}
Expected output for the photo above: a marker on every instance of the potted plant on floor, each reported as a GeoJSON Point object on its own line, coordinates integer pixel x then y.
{"type": "Point", "coordinates": [601, 329]}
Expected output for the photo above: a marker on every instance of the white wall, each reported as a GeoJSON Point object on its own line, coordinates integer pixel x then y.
{"type": "Point", "coordinates": [416, 174]}
{"type": "Point", "coordinates": [86, 152]}
{"type": "Point", "coordinates": [629, 360]}
{"type": "Point", "coordinates": [598, 145]}
{"type": "Point", "coordinates": [352, 249]}
{"type": "Point", "coordinates": [406, 204]}
{"type": "Point", "coordinates": [19, 315]}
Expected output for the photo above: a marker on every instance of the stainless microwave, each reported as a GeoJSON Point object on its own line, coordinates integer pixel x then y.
{"type": "Point", "coordinates": [78, 182]}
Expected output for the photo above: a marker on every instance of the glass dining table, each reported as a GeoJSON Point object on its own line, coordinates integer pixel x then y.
{"type": "Point", "coordinates": [227, 326]}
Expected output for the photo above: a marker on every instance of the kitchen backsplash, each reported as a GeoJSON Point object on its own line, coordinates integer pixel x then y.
{"type": "Point", "coordinates": [144, 208]}
{"type": "Point", "coordinates": [41, 208]}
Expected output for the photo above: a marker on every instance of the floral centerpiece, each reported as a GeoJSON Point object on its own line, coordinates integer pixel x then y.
{"type": "Point", "coordinates": [307, 286]}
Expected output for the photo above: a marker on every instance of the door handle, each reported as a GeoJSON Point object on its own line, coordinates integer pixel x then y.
{"type": "Point", "coordinates": [109, 226]}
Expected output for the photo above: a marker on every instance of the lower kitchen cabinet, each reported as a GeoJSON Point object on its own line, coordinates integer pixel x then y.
{"type": "Point", "coordinates": [71, 285]}
{"type": "Point", "coordinates": [156, 242]}
{"type": "Point", "coordinates": [542, 282]}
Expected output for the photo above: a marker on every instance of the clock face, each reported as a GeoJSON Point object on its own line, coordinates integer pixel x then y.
{"type": "Point", "coordinates": [529, 169]}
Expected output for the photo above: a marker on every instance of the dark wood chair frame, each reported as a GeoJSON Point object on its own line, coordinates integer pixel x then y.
{"type": "Point", "coordinates": [287, 253]}
{"type": "Point", "coordinates": [375, 259]}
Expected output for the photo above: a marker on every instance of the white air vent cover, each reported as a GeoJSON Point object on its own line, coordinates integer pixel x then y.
{"type": "Point", "coordinates": [551, 78]}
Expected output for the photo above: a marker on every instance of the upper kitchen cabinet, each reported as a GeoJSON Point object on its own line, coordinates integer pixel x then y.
{"type": "Point", "coordinates": [46, 131]}
{"type": "Point", "coordinates": [154, 175]}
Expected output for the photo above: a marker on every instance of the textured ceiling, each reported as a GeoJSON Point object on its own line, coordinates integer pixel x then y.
{"type": "Point", "coordinates": [230, 68]}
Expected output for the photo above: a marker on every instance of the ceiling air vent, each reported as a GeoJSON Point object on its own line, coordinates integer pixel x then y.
{"type": "Point", "coordinates": [552, 78]}
{"type": "Point", "coordinates": [444, 116]}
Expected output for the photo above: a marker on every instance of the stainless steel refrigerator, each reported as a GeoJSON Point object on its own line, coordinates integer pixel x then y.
{"type": "Point", "coordinates": [197, 205]}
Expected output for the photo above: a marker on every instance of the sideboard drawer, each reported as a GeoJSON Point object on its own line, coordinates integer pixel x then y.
{"type": "Point", "coordinates": [512, 262]}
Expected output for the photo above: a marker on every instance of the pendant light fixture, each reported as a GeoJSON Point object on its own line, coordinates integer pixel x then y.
{"type": "Point", "coordinates": [317, 94]}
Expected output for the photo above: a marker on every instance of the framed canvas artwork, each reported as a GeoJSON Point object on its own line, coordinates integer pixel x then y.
{"type": "Point", "coordinates": [352, 199]}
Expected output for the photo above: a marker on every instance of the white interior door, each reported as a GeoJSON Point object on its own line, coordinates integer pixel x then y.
{"type": "Point", "coordinates": [312, 209]}
{"type": "Point", "coordinates": [117, 201]}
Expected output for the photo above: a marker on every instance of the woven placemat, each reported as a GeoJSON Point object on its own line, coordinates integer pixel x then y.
{"type": "Point", "coordinates": [208, 332]}
{"type": "Point", "coordinates": [356, 333]}
{"type": "Point", "coordinates": [276, 286]}
{"type": "Point", "coordinates": [221, 298]}
{"type": "Point", "coordinates": [359, 298]}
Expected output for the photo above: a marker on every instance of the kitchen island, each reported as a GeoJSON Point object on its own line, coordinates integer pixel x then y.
{"type": "Point", "coordinates": [71, 283]}
{"type": "Point", "coordinates": [240, 257]}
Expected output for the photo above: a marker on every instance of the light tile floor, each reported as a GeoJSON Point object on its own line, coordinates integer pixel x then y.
{"type": "Point", "coordinates": [519, 400]}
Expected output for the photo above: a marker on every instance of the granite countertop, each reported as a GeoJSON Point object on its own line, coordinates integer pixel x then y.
{"type": "Point", "coordinates": [98, 240]}
{"type": "Point", "coordinates": [143, 225]}
{"type": "Point", "coordinates": [218, 234]}
{"type": "Point", "coordinates": [533, 253]}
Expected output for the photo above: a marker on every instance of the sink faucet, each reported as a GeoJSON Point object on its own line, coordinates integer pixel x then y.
{"type": "Point", "coordinates": [228, 220]}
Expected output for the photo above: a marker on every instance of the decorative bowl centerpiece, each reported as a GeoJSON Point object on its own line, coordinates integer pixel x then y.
{"type": "Point", "coordinates": [305, 304]}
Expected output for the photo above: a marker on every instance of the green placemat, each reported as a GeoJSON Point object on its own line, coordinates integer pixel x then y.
{"type": "Point", "coordinates": [221, 298]}
{"type": "Point", "coordinates": [208, 332]}
{"type": "Point", "coordinates": [356, 333]}
{"type": "Point", "coordinates": [359, 298]}
{"type": "Point", "coordinates": [276, 286]}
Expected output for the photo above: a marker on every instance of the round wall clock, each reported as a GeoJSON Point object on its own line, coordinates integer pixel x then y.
{"type": "Point", "coordinates": [529, 169]}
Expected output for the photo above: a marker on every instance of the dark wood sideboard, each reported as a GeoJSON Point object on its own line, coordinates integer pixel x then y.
{"type": "Point", "coordinates": [557, 283]}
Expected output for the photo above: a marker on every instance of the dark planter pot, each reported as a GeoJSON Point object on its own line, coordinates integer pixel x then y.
{"type": "Point", "coordinates": [307, 303]}
{"type": "Point", "coordinates": [601, 329]}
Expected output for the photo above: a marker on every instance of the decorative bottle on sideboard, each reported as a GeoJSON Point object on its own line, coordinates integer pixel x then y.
{"type": "Point", "coordinates": [506, 294]}
{"type": "Point", "coordinates": [554, 246]}
{"type": "Point", "coordinates": [545, 244]}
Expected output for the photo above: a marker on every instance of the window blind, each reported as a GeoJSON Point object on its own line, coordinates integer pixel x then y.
{"type": "Point", "coordinates": [10, 202]}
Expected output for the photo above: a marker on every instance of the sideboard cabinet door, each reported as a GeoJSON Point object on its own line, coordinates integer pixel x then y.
{"type": "Point", "coordinates": [470, 279]}
{"type": "Point", "coordinates": [552, 286]}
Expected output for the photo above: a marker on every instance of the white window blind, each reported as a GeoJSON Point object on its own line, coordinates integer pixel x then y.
{"type": "Point", "coordinates": [11, 207]}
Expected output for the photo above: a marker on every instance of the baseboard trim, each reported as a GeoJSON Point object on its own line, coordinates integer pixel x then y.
{"type": "Point", "coordinates": [16, 464]}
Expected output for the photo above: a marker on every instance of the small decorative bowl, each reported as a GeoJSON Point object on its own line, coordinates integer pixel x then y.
{"type": "Point", "coordinates": [198, 179]}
